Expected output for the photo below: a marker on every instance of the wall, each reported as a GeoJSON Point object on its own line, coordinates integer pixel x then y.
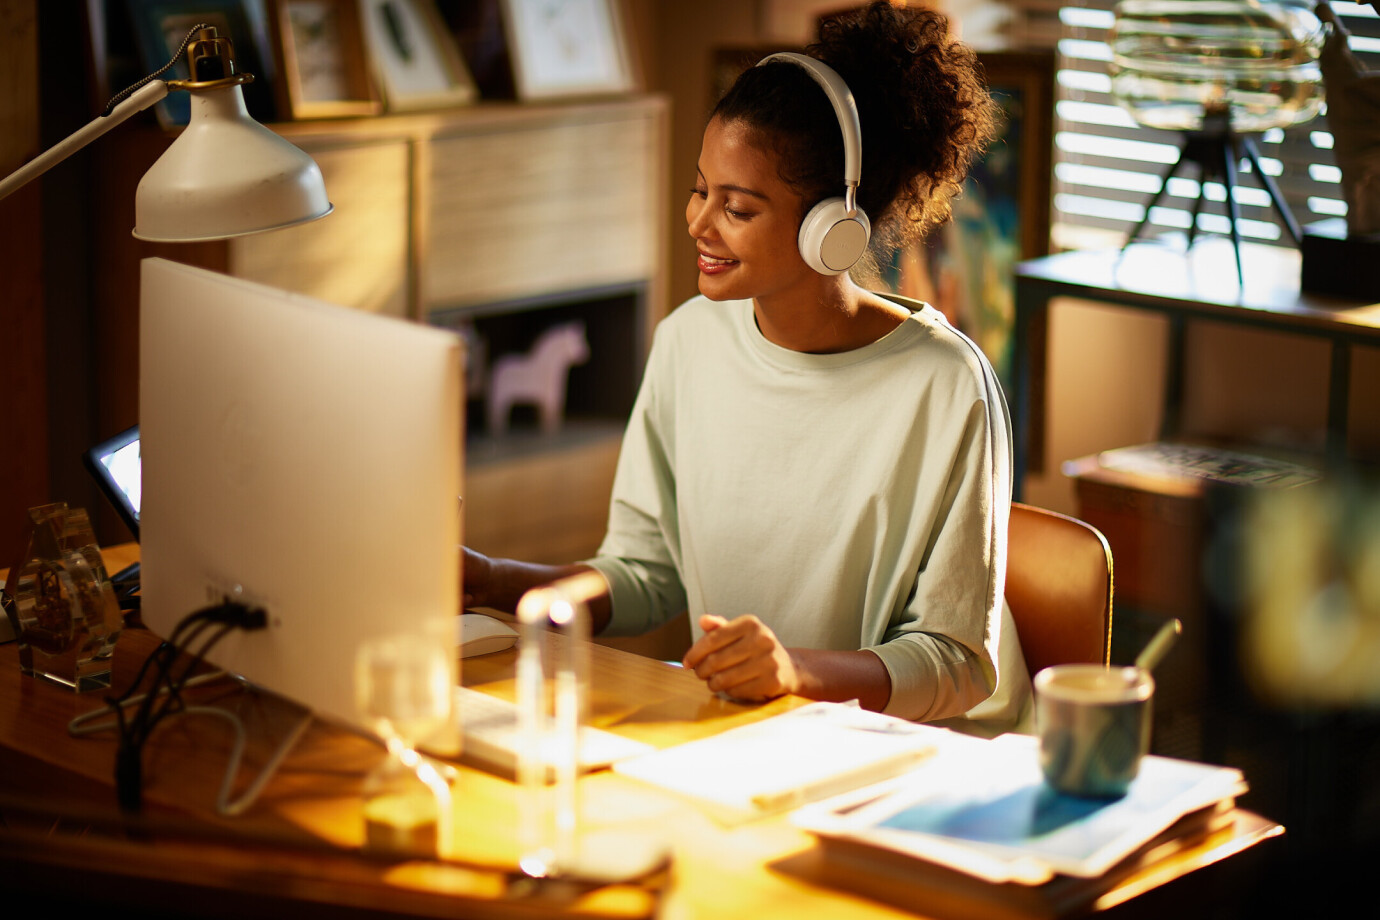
{"type": "Point", "coordinates": [677, 62]}
{"type": "Point", "coordinates": [23, 386]}
{"type": "Point", "coordinates": [1106, 377]}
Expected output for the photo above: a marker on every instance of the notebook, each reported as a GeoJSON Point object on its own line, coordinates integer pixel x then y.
{"type": "Point", "coordinates": [779, 763]}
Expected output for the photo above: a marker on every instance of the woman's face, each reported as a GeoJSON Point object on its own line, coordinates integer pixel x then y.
{"type": "Point", "coordinates": [744, 220]}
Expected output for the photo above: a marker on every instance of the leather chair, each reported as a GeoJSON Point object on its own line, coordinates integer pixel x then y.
{"type": "Point", "coordinates": [1059, 587]}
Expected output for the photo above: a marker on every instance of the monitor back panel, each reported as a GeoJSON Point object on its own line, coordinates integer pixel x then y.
{"type": "Point", "coordinates": [302, 456]}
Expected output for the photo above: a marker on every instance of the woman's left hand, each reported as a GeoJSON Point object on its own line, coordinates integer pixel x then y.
{"type": "Point", "coordinates": [742, 658]}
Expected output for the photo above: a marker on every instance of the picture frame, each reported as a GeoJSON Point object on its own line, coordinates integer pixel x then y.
{"type": "Point", "coordinates": [323, 60]}
{"type": "Point", "coordinates": [159, 27]}
{"type": "Point", "coordinates": [414, 56]}
{"type": "Point", "coordinates": [564, 48]}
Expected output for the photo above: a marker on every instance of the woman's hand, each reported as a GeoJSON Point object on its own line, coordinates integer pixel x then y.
{"type": "Point", "coordinates": [498, 583]}
{"type": "Point", "coordinates": [478, 578]}
{"type": "Point", "coordinates": [742, 658]}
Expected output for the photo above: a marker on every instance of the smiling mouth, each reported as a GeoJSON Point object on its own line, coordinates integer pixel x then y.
{"type": "Point", "coordinates": [712, 261]}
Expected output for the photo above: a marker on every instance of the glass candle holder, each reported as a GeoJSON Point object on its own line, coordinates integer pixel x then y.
{"type": "Point", "coordinates": [404, 691]}
{"type": "Point", "coordinates": [552, 685]}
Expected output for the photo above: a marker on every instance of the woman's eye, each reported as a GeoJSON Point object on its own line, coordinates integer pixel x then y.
{"type": "Point", "coordinates": [736, 214]}
{"type": "Point", "coordinates": [699, 193]}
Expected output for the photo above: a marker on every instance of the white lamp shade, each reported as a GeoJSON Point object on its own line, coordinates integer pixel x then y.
{"type": "Point", "coordinates": [226, 175]}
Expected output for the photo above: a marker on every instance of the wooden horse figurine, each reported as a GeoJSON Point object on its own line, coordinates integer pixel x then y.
{"type": "Point", "coordinates": [538, 377]}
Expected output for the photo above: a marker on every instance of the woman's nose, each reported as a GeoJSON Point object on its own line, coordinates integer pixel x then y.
{"type": "Point", "coordinates": [696, 217]}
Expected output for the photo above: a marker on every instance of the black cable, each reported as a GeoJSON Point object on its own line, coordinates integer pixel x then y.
{"type": "Point", "coordinates": [130, 90]}
{"type": "Point", "coordinates": [164, 696]}
{"type": "Point", "coordinates": [134, 733]}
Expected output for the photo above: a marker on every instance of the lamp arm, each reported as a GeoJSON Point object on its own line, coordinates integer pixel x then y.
{"type": "Point", "coordinates": [145, 96]}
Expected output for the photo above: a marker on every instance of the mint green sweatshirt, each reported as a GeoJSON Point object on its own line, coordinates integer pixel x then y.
{"type": "Point", "coordinates": [850, 501]}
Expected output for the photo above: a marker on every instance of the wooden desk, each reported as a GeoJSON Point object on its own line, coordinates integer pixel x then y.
{"type": "Point", "coordinates": [296, 851]}
{"type": "Point", "coordinates": [1182, 286]}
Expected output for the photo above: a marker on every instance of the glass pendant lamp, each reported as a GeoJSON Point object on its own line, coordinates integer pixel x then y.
{"type": "Point", "coordinates": [1221, 71]}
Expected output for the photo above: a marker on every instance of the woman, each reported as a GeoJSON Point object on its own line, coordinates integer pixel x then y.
{"type": "Point", "coordinates": [820, 474]}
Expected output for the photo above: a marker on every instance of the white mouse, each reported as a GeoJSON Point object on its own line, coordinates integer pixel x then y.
{"type": "Point", "coordinates": [477, 634]}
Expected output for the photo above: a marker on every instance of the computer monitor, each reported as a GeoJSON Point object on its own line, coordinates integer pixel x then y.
{"type": "Point", "coordinates": [306, 456]}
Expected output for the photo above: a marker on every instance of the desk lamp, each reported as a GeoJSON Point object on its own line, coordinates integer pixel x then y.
{"type": "Point", "coordinates": [225, 175]}
{"type": "Point", "coordinates": [1220, 71]}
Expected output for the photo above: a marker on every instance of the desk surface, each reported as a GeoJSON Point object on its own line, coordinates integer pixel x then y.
{"type": "Point", "coordinates": [297, 848]}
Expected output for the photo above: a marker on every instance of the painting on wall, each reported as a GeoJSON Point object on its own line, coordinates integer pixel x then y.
{"type": "Point", "coordinates": [161, 26]}
{"type": "Point", "coordinates": [966, 267]}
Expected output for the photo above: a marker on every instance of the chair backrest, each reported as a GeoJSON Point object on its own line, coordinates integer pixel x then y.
{"type": "Point", "coordinates": [1059, 587]}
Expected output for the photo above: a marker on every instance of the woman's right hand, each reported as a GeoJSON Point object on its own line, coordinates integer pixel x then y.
{"type": "Point", "coordinates": [498, 583]}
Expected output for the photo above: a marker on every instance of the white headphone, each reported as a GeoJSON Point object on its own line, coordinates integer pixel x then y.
{"type": "Point", "coordinates": [835, 232]}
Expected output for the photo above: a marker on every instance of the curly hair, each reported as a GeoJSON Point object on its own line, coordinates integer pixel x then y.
{"type": "Point", "coordinates": [923, 106]}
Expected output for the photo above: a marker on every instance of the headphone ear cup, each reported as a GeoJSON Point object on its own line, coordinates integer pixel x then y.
{"type": "Point", "coordinates": [830, 241]}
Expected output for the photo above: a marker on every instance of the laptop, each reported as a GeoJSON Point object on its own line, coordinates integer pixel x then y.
{"type": "Point", "coordinates": [115, 464]}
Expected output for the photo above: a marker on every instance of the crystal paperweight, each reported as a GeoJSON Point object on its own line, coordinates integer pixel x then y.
{"type": "Point", "coordinates": [60, 603]}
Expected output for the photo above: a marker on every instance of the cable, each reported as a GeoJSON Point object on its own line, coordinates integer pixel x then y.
{"type": "Point", "coordinates": [79, 727]}
{"type": "Point", "coordinates": [164, 696]}
{"type": "Point", "coordinates": [224, 804]}
{"type": "Point", "coordinates": [130, 90]}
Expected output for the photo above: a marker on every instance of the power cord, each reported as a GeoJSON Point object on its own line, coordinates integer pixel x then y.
{"type": "Point", "coordinates": [128, 91]}
{"type": "Point", "coordinates": [164, 696]}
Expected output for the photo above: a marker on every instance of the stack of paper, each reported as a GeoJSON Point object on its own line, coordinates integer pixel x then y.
{"type": "Point", "coordinates": [800, 756]}
{"type": "Point", "coordinates": [983, 809]}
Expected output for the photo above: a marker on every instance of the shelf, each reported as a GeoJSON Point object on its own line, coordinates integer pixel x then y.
{"type": "Point", "coordinates": [521, 443]}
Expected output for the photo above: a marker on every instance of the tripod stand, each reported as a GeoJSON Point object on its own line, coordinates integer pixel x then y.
{"type": "Point", "coordinates": [1217, 150]}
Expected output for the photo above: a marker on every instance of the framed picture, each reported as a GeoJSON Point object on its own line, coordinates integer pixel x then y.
{"type": "Point", "coordinates": [567, 48]}
{"type": "Point", "coordinates": [161, 25]}
{"type": "Point", "coordinates": [324, 65]}
{"type": "Point", "coordinates": [414, 56]}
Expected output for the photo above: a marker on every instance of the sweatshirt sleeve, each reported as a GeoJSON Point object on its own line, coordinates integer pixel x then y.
{"type": "Point", "coordinates": [942, 650]}
{"type": "Point", "coordinates": [640, 554]}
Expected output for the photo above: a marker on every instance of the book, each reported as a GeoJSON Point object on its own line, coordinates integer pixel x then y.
{"type": "Point", "coordinates": [779, 763]}
{"type": "Point", "coordinates": [1211, 464]}
{"type": "Point", "coordinates": [982, 808]}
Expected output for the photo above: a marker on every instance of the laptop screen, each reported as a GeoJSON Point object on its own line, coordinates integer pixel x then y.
{"type": "Point", "coordinates": [116, 465]}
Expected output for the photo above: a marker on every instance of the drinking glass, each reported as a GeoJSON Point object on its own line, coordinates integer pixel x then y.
{"type": "Point", "coordinates": [403, 691]}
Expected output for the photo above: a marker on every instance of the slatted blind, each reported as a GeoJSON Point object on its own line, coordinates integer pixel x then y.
{"type": "Point", "coordinates": [1107, 167]}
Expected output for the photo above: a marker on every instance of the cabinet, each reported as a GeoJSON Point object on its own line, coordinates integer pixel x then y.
{"type": "Point", "coordinates": [497, 219]}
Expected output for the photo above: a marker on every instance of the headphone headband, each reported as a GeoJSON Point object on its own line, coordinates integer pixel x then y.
{"type": "Point", "coordinates": [835, 232]}
{"type": "Point", "coordinates": [845, 109]}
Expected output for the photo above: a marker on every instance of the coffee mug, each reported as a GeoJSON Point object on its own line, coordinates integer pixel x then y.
{"type": "Point", "coordinates": [1094, 726]}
